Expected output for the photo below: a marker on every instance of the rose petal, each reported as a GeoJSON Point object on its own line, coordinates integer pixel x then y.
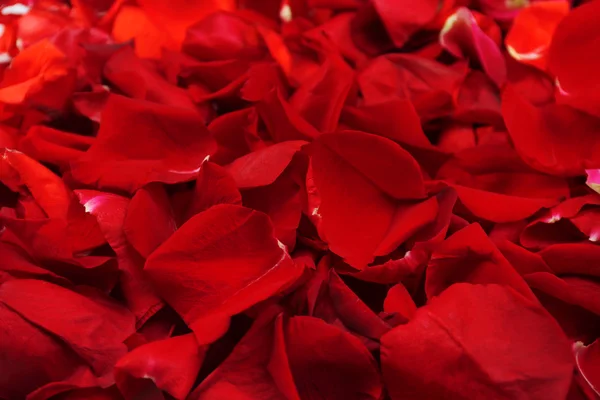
{"type": "Point", "coordinates": [170, 147]}
{"type": "Point", "coordinates": [94, 327]}
{"type": "Point", "coordinates": [531, 46]}
{"type": "Point", "coordinates": [587, 359]}
{"type": "Point", "coordinates": [171, 364]}
{"type": "Point", "coordinates": [490, 358]}
{"type": "Point", "coordinates": [228, 260]}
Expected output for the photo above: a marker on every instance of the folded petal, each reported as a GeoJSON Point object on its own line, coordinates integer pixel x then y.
{"type": "Point", "coordinates": [463, 37]}
{"type": "Point", "coordinates": [218, 264]}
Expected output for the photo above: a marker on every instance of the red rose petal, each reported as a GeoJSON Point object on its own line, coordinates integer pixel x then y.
{"type": "Point", "coordinates": [575, 39]}
{"type": "Point", "coordinates": [403, 19]}
{"type": "Point", "coordinates": [145, 234]}
{"type": "Point", "coordinates": [139, 81]}
{"type": "Point", "coordinates": [314, 369]}
{"type": "Point", "coordinates": [398, 300]}
{"type": "Point", "coordinates": [171, 364]}
{"type": "Point", "coordinates": [250, 358]}
{"type": "Point", "coordinates": [483, 345]}
{"type": "Point", "coordinates": [587, 359]}
{"type": "Point", "coordinates": [94, 327]}
{"type": "Point", "coordinates": [40, 75]}
{"type": "Point", "coordinates": [469, 256]}
{"type": "Point", "coordinates": [228, 260]}
{"type": "Point", "coordinates": [170, 147]}
{"type": "Point", "coordinates": [49, 191]}
{"type": "Point", "coordinates": [111, 211]}
{"type": "Point", "coordinates": [262, 167]}
{"type": "Point", "coordinates": [528, 126]}
{"type": "Point", "coordinates": [463, 37]}
{"type": "Point", "coordinates": [35, 357]}
{"type": "Point", "coordinates": [214, 185]}
{"type": "Point", "coordinates": [530, 46]}
{"type": "Point", "coordinates": [54, 146]}
{"type": "Point", "coordinates": [341, 165]}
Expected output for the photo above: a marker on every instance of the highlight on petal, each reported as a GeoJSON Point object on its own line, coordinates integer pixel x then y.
{"type": "Point", "coordinates": [593, 179]}
{"type": "Point", "coordinates": [587, 359]}
{"type": "Point", "coordinates": [531, 46]}
{"type": "Point", "coordinates": [463, 38]}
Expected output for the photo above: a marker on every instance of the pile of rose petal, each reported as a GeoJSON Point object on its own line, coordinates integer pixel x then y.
{"type": "Point", "coordinates": [300, 200]}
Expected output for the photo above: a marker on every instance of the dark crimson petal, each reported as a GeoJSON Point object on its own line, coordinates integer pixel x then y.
{"type": "Point", "coordinates": [224, 36]}
{"type": "Point", "coordinates": [218, 264]}
{"type": "Point", "coordinates": [479, 352]}
{"type": "Point", "coordinates": [214, 185]}
{"type": "Point", "coordinates": [405, 17]}
{"type": "Point", "coordinates": [328, 363]}
{"type": "Point", "coordinates": [572, 258]}
{"type": "Point", "coordinates": [355, 314]}
{"type": "Point", "coordinates": [370, 221]}
{"type": "Point", "coordinates": [398, 300]}
{"type": "Point", "coordinates": [428, 84]}
{"type": "Point", "coordinates": [572, 290]}
{"type": "Point", "coordinates": [245, 374]}
{"type": "Point", "coordinates": [140, 81]}
{"type": "Point", "coordinates": [320, 98]}
{"type": "Point", "coordinates": [262, 167]}
{"type": "Point", "coordinates": [171, 364]}
{"type": "Point", "coordinates": [31, 358]}
{"type": "Point", "coordinates": [170, 146]}
{"type": "Point", "coordinates": [53, 146]}
{"type": "Point", "coordinates": [94, 327]}
{"type": "Point", "coordinates": [469, 256]}
{"type": "Point", "coordinates": [283, 122]}
{"type": "Point", "coordinates": [149, 219]}
{"type": "Point", "coordinates": [395, 119]}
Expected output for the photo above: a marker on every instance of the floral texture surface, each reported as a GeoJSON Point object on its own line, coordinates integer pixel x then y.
{"type": "Point", "coordinates": [300, 200]}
